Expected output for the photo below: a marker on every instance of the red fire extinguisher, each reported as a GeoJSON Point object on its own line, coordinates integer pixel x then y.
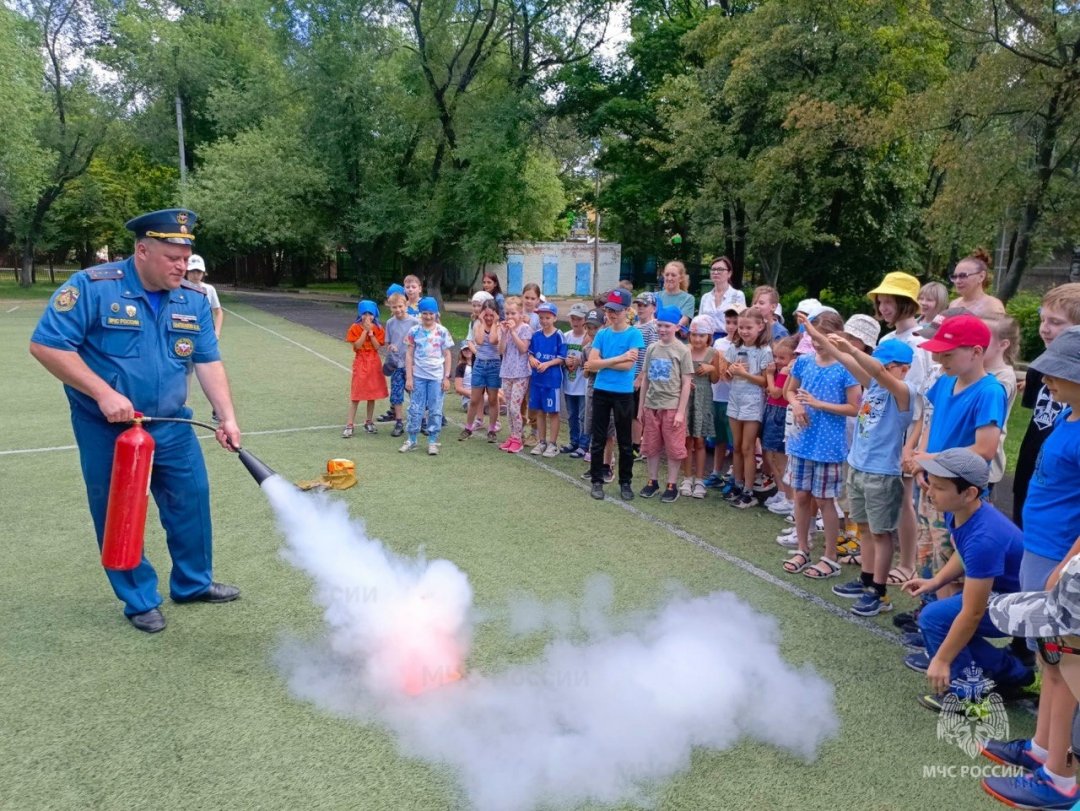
{"type": "Point", "coordinates": [129, 494]}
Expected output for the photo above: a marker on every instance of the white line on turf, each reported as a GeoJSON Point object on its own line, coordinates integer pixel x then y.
{"type": "Point", "coordinates": [689, 537]}
{"type": "Point", "coordinates": [200, 436]}
{"type": "Point", "coordinates": [13, 309]}
{"type": "Point", "coordinates": [288, 339]}
{"type": "Point", "coordinates": [734, 560]}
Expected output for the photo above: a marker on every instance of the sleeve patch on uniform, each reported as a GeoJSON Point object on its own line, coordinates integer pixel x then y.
{"type": "Point", "coordinates": [104, 274]}
{"type": "Point", "coordinates": [65, 299]}
{"type": "Point", "coordinates": [183, 347]}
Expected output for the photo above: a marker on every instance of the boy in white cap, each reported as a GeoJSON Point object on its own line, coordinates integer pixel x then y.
{"type": "Point", "coordinates": [196, 273]}
{"type": "Point", "coordinates": [574, 382]}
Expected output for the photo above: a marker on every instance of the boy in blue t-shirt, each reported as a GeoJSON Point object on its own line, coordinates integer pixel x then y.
{"type": "Point", "coordinates": [875, 486]}
{"type": "Point", "coordinates": [612, 357]}
{"type": "Point", "coordinates": [969, 407]}
{"type": "Point", "coordinates": [989, 547]}
{"type": "Point", "coordinates": [547, 354]}
{"type": "Point", "coordinates": [1051, 537]}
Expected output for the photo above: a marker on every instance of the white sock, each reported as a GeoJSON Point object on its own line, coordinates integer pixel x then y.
{"type": "Point", "coordinates": [1063, 784]}
{"type": "Point", "coordinates": [1037, 751]}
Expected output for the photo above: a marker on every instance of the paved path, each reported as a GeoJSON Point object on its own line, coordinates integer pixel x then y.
{"type": "Point", "coordinates": [332, 314]}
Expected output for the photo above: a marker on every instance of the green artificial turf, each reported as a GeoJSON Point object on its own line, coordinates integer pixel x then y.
{"type": "Point", "coordinates": [98, 715]}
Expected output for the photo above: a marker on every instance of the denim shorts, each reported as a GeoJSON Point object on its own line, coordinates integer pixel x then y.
{"type": "Point", "coordinates": [772, 428]}
{"type": "Point", "coordinates": [485, 374]}
{"type": "Point", "coordinates": [746, 404]}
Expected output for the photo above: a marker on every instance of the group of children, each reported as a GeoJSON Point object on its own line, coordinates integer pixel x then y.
{"type": "Point", "coordinates": [891, 448]}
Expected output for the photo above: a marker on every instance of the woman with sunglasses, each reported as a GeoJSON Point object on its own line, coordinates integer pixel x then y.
{"type": "Point", "coordinates": [971, 278]}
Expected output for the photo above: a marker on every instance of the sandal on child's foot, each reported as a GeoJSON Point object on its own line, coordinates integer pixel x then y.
{"type": "Point", "coordinates": [822, 570]}
{"type": "Point", "coordinates": [797, 562]}
{"type": "Point", "coordinates": [898, 575]}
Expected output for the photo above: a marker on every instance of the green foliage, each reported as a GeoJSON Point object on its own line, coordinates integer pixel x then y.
{"type": "Point", "coordinates": [23, 159]}
{"type": "Point", "coordinates": [259, 189]}
{"type": "Point", "coordinates": [1024, 307]}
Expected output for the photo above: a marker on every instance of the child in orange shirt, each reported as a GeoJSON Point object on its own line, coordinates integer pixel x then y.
{"type": "Point", "coordinates": [366, 336]}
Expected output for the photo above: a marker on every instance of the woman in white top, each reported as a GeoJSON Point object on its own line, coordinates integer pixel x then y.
{"type": "Point", "coordinates": [723, 295]}
{"type": "Point", "coordinates": [971, 278]}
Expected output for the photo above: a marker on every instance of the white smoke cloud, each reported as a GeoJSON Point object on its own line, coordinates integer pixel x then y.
{"type": "Point", "coordinates": [611, 706]}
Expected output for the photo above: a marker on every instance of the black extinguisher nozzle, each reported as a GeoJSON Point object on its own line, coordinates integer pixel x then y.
{"type": "Point", "coordinates": [258, 469]}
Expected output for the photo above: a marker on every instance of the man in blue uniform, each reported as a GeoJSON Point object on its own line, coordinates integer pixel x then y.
{"type": "Point", "coordinates": [121, 337]}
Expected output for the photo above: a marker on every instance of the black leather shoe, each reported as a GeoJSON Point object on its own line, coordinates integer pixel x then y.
{"type": "Point", "coordinates": [597, 490]}
{"type": "Point", "coordinates": [217, 593]}
{"type": "Point", "coordinates": [150, 621]}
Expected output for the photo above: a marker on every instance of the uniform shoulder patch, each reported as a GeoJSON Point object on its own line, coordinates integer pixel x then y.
{"type": "Point", "coordinates": [104, 273]}
{"type": "Point", "coordinates": [184, 283]}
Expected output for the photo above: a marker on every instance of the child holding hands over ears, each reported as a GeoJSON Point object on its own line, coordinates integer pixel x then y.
{"type": "Point", "coordinates": [366, 336]}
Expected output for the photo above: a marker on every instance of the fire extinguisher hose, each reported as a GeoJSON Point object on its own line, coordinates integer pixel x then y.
{"type": "Point", "coordinates": [206, 425]}
{"type": "Point", "coordinates": [258, 469]}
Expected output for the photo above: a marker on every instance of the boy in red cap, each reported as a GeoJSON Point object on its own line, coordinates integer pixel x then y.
{"type": "Point", "coordinates": [969, 407]}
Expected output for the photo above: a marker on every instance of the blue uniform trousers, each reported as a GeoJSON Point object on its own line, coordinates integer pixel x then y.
{"type": "Point", "coordinates": [181, 491]}
{"type": "Point", "coordinates": [996, 663]}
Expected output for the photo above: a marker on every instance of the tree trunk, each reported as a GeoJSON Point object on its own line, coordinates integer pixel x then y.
{"type": "Point", "coordinates": [1019, 260]}
{"type": "Point", "coordinates": [26, 264]}
{"type": "Point", "coordinates": [771, 261]}
{"type": "Point", "coordinates": [738, 248]}
{"type": "Point", "coordinates": [432, 277]}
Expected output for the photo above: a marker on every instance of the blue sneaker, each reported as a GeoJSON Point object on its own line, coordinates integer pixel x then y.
{"type": "Point", "coordinates": [914, 641]}
{"type": "Point", "coordinates": [919, 662]}
{"type": "Point", "coordinates": [727, 487]}
{"type": "Point", "coordinates": [1016, 752]}
{"type": "Point", "coordinates": [852, 590]}
{"type": "Point", "coordinates": [714, 480]}
{"type": "Point", "coordinates": [870, 604]}
{"type": "Point", "coordinates": [1035, 790]}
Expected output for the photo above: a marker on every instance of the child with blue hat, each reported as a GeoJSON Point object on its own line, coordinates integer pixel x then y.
{"type": "Point", "coordinates": [875, 484]}
{"type": "Point", "coordinates": [427, 375]}
{"type": "Point", "coordinates": [366, 336]}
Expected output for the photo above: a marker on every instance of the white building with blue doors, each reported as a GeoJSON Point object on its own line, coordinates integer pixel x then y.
{"type": "Point", "coordinates": [560, 268]}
